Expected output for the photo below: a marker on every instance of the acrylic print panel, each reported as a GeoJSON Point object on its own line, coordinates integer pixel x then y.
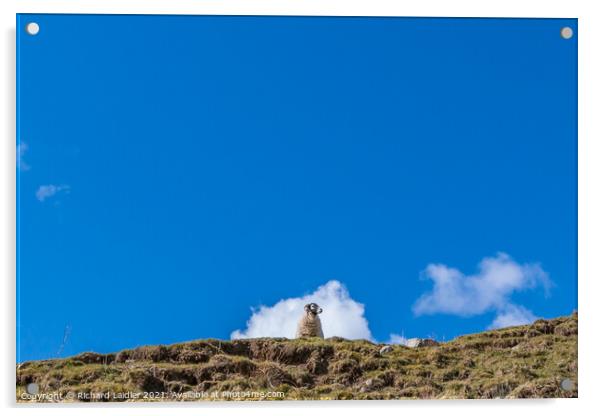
{"type": "Point", "coordinates": [268, 208]}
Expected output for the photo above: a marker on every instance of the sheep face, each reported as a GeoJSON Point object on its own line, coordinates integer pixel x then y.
{"type": "Point", "coordinates": [312, 308]}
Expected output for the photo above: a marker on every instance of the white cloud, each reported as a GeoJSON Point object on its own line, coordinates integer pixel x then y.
{"type": "Point", "coordinates": [21, 149]}
{"type": "Point", "coordinates": [490, 289]}
{"type": "Point", "coordinates": [47, 191]}
{"type": "Point", "coordinates": [513, 315]}
{"type": "Point", "coordinates": [397, 339]}
{"type": "Point", "coordinates": [342, 316]}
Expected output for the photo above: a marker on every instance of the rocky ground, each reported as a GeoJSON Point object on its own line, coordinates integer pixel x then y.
{"type": "Point", "coordinates": [532, 361]}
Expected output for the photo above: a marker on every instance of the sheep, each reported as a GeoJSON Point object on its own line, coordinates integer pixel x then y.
{"type": "Point", "coordinates": [310, 325]}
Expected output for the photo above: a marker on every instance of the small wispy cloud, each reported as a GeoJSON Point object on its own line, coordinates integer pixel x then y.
{"type": "Point", "coordinates": [342, 316]}
{"type": "Point", "coordinates": [512, 315]}
{"type": "Point", "coordinates": [47, 191]}
{"type": "Point", "coordinates": [397, 339]}
{"type": "Point", "coordinates": [490, 289]}
{"type": "Point", "coordinates": [21, 150]}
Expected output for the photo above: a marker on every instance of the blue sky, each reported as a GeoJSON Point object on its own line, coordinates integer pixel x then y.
{"type": "Point", "coordinates": [177, 171]}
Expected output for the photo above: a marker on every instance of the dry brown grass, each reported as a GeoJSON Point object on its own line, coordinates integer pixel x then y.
{"type": "Point", "coordinates": [520, 362]}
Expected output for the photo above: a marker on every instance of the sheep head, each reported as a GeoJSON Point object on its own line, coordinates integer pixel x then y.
{"type": "Point", "coordinates": [313, 308]}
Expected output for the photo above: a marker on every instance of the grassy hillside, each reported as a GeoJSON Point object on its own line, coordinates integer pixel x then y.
{"type": "Point", "coordinates": [519, 362]}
